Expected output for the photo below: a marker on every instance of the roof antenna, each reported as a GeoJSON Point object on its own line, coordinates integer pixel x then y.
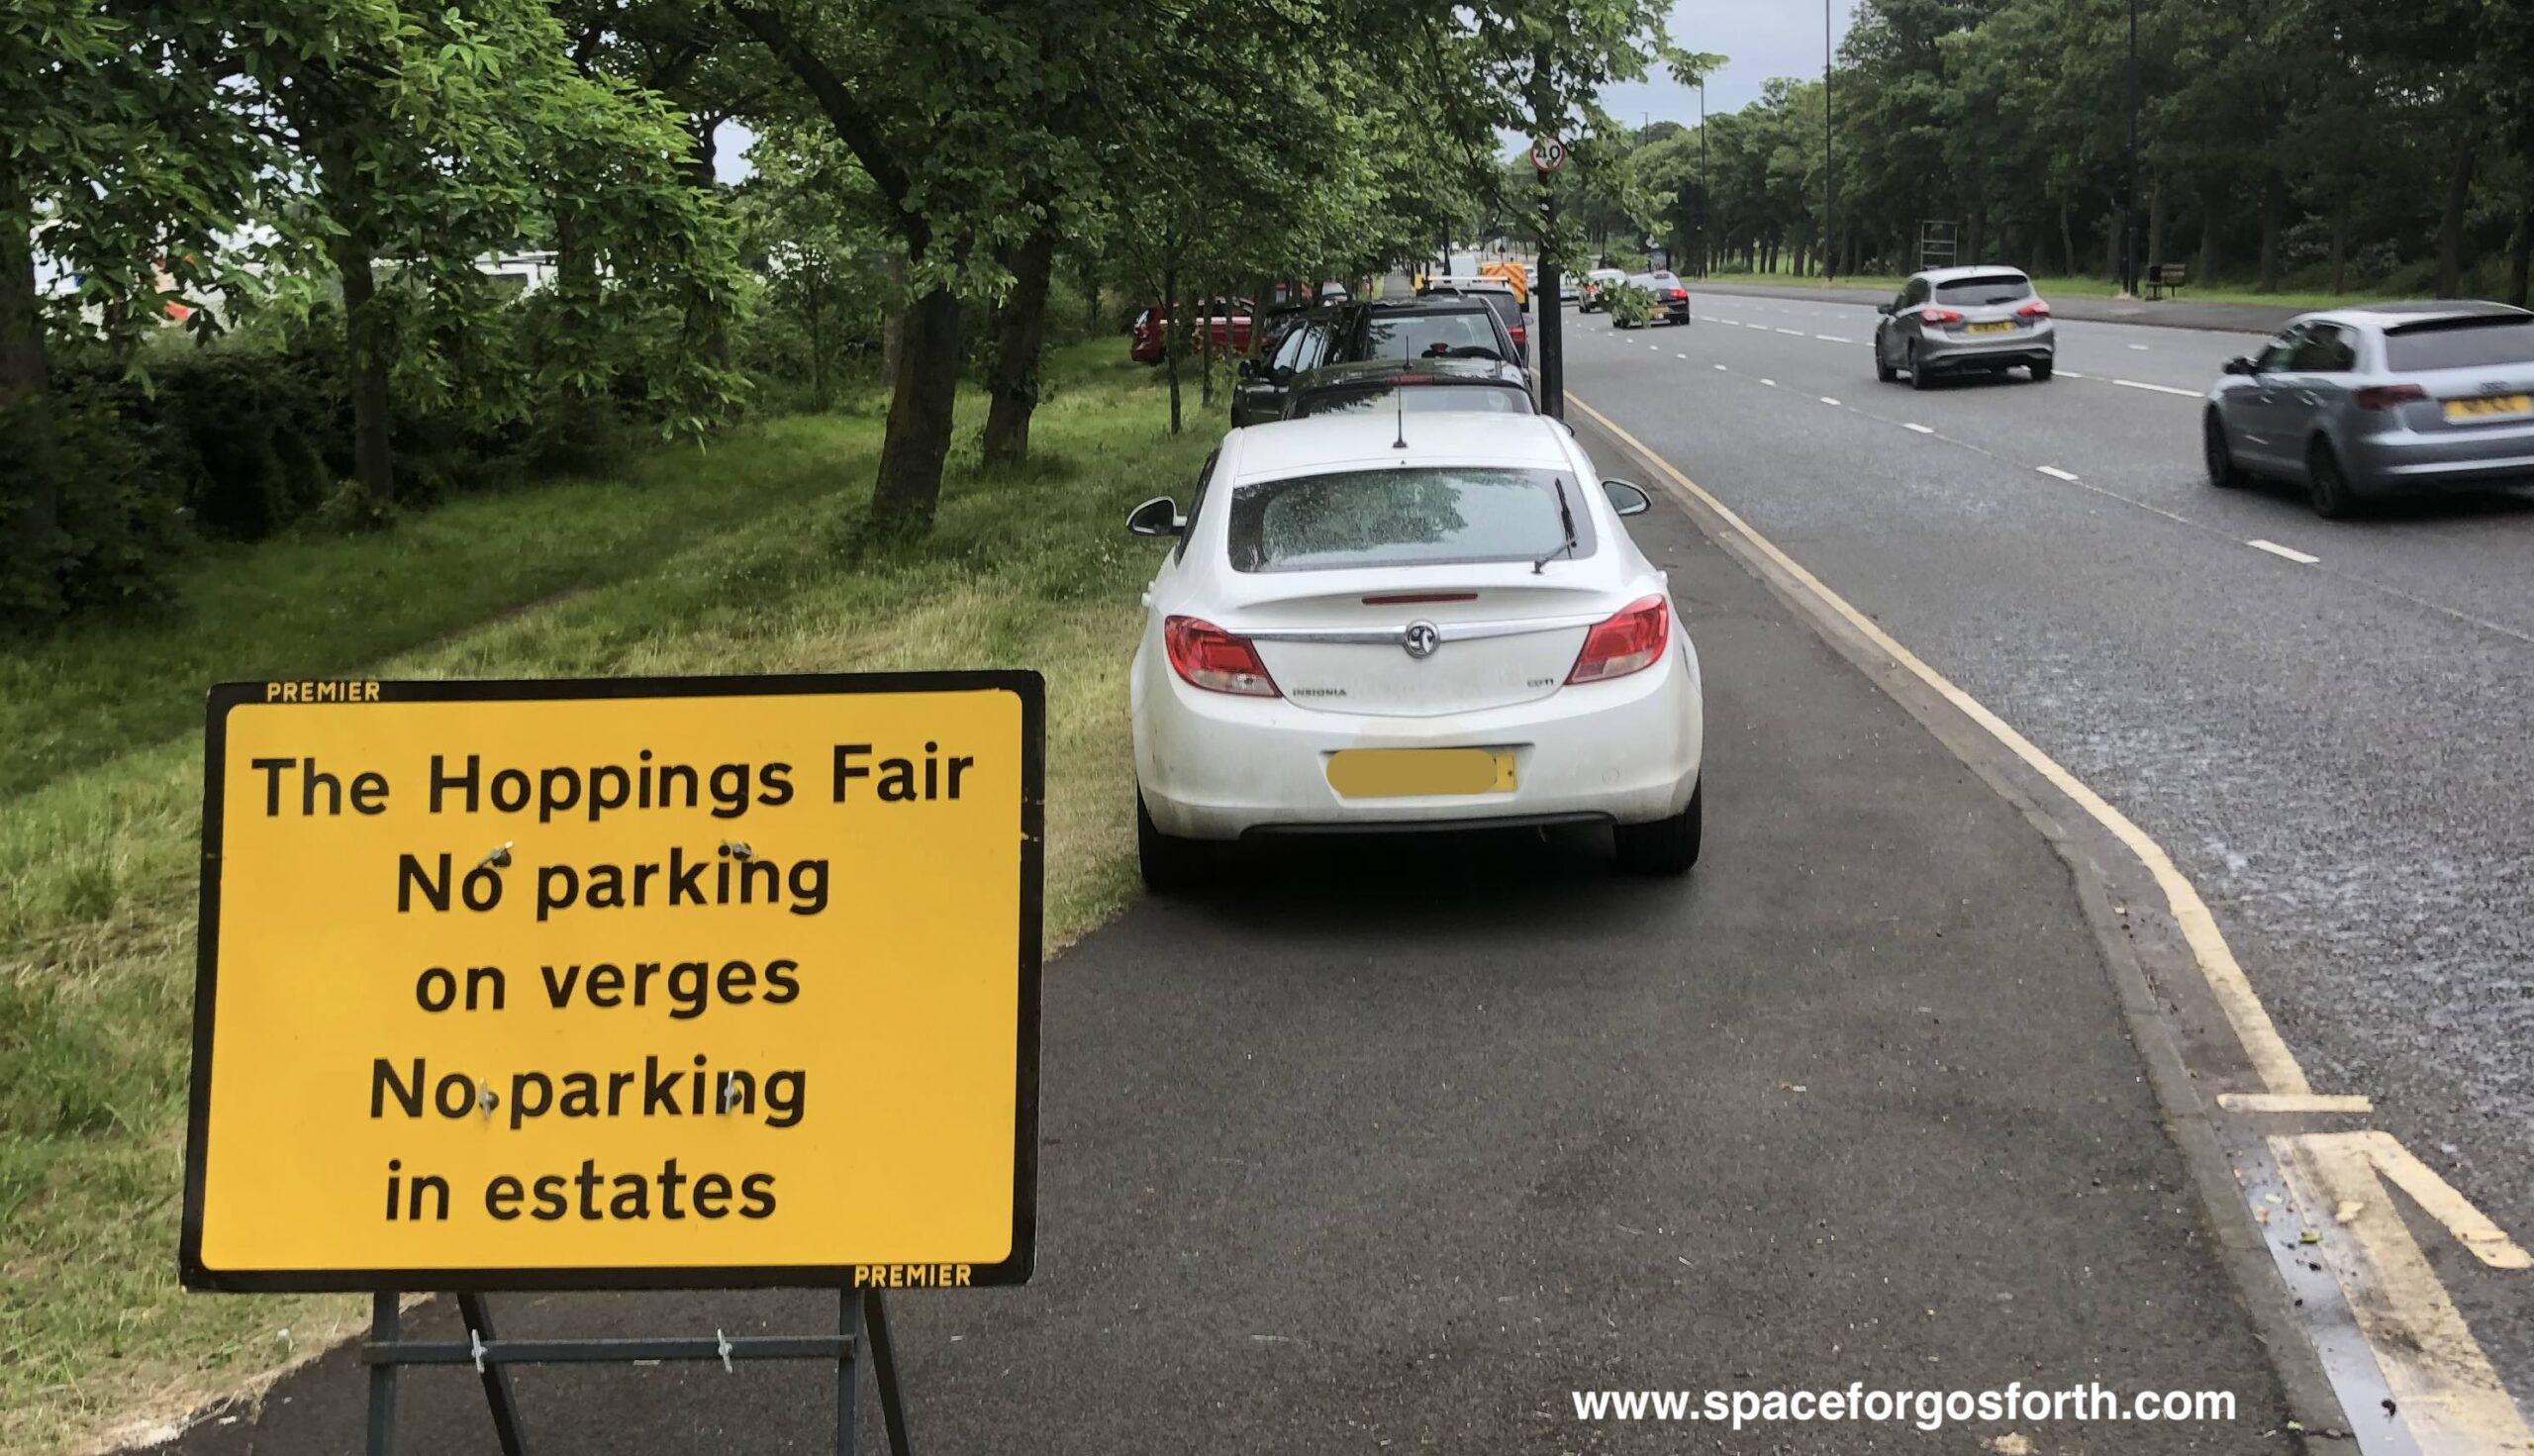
{"type": "Point", "coordinates": [1399, 403]}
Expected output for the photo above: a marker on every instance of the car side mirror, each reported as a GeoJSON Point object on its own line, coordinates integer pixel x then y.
{"type": "Point", "coordinates": [1156, 516]}
{"type": "Point", "coordinates": [2242, 365]}
{"type": "Point", "coordinates": [1627, 497]}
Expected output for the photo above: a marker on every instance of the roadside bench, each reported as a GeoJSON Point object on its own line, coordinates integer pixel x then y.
{"type": "Point", "coordinates": [2166, 278]}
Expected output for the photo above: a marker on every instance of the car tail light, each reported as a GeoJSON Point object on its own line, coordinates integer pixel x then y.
{"type": "Point", "coordinates": [1207, 656]}
{"type": "Point", "coordinates": [1939, 316]}
{"type": "Point", "coordinates": [1521, 334]}
{"type": "Point", "coordinates": [1629, 642]}
{"type": "Point", "coordinates": [2033, 310]}
{"type": "Point", "coordinates": [2386, 396]}
{"type": "Point", "coordinates": [1679, 293]}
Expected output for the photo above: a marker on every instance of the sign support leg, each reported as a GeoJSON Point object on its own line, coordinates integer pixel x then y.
{"type": "Point", "coordinates": [884, 1374]}
{"type": "Point", "coordinates": [848, 1375]}
{"type": "Point", "coordinates": [382, 1376]}
{"type": "Point", "coordinates": [498, 1396]}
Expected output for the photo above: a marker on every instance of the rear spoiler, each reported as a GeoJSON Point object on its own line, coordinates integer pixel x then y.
{"type": "Point", "coordinates": [2441, 322]}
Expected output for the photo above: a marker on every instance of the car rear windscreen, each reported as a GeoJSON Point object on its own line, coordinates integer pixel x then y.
{"type": "Point", "coordinates": [2460, 347]}
{"type": "Point", "coordinates": [1416, 399]}
{"type": "Point", "coordinates": [1986, 289]}
{"type": "Point", "coordinates": [1404, 516]}
{"type": "Point", "coordinates": [1430, 336]}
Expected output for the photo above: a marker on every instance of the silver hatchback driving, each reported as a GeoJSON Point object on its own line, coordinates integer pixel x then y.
{"type": "Point", "coordinates": [1961, 321]}
{"type": "Point", "coordinates": [2382, 400]}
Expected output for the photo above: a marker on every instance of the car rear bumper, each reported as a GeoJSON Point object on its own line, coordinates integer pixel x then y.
{"type": "Point", "coordinates": [1214, 766]}
{"type": "Point", "coordinates": [2408, 462]}
{"type": "Point", "coordinates": [1987, 350]}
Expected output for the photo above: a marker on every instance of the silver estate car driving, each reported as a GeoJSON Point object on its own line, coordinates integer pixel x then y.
{"type": "Point", "coordinates": [1960, 321]}
{"type": "Point", "coordinates": [2380, 400]}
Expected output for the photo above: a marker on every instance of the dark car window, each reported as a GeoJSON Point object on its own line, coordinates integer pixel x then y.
{"type": "Point", "coordinates": [1423, 335]}
{"type": "Point", "coordinates": [1304, 348]}
{"type": "Point", "coordinates": [1416, 399]}
{"type": "Point", "coordinates": [1986, 288]}
{"type": "Point", "coordinates": [2326, 349]}
{"type": "Point", "coordinates": [1428, 516]}
{"type": "Point", "coordinates": [1914, 294]}
{"type": "Point", "coordinates": [2473, 345]}
{"type": "Point", "coordinates": [2281, 352]}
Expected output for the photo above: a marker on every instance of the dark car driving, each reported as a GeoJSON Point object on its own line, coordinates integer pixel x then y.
{"type": "Point", "coordinates": [1671, 296]}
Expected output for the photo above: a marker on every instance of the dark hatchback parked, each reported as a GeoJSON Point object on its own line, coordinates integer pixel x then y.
{"type": "Point", "coordinates": [1434, 328]}
{"type": "Point", "coordinates": [1420, 386]}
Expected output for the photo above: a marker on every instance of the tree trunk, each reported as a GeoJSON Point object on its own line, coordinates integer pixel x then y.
{"type": "Point", "coordinates": [2111, 244]}
{"type": "Point", "coordinates": [917, 439]}
{"type": "Point", "coordinates": [2274, 202]}
{"type": "Point", "coordinates": [581, 429]}
{"type": "Point", "coordinates": [893, 323]}
{"type": "Point", "coordinates": [2340, 240]}
{"type": "Point", "coordinates": [367, 356]}
{"type": "Point", "coordinates": [27, 428]}
{"type": "Point", "coordinates": [2211, 229]}
{"type": "Point", "coordinates": [1172, 313]}
{"type": "Point", "coordinates": [2067, 239]}
{"type": "Point", "coordinates": [1019, 329]}
{"type": "Point", "coordinates": [2155, 225]}
{"type": "Point", "coordinates": [1206, 354]}
{"type": "Point", "coordinates": [2450, 228]}
{"type": "Point", "coordinates": [2520, 255]}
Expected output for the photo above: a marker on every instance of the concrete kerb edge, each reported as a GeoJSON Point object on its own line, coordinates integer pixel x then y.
{"type": "Point", "coordinates": [2259, 1291]}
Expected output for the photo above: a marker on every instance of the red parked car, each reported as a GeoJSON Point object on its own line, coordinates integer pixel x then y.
{"type": "Point", "coordinates": [1227, 320]}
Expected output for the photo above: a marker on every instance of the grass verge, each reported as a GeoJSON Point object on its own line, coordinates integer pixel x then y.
{"type": "Point", "coordinates": [730, 561]}
{"type": "Point", "coordinates": [1882, 286]}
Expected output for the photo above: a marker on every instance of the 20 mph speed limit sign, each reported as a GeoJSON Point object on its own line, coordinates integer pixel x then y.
{"type": "Point", "coordinates": [1548, 155]}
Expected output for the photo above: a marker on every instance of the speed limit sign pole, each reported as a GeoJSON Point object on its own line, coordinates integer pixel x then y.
{"type": "Point", "coordinates": [1548, 155]}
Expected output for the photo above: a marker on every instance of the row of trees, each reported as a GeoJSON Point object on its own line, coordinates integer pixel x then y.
{"type": "Point", "coordinates": [329, 171]}
{"type": "Point", "coordinates": [2320, 145]}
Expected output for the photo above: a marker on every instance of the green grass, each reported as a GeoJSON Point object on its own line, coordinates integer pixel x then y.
{"type": "Point", "coordinates": [1883, 285]}
{"type": "Point", "coordinates": [732, 561]}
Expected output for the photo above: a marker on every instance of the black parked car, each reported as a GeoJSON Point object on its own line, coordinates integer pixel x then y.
{"type": "Point", "coordinates": [1431, 327]}
{"type": "Point", "coordinates": [1418, 386]}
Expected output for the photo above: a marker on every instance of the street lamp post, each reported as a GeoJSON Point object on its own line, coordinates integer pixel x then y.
{"type": "Point", "coordinates": [2129, 204]}
{"type": "Point", "coordinates": [1706, 199]}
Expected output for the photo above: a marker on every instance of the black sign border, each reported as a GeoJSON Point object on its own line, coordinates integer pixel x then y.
{"type": "Point", "coordinates": [1015, 1269]}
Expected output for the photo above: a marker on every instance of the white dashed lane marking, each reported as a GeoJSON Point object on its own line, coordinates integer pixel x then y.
{"type": "Point", "coordinates": [1832, 338]}
{"type": "Point", "coordinates": [1922, 429]}
{"type": "Point", "coordinates": [1825, 399]}
{"type": "Point", "coordinates": [2276, 549]}
{"type": "Point", "coordinates": [2158, 388]}
{"type": "Point", "coordinates": [2054, 471]}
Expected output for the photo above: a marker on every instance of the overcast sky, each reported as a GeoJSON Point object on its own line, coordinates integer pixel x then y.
{"type": "Point", "coordinates": [1759, 38]}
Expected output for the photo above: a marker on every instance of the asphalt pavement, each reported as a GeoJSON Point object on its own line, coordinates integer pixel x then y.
{"type": "Point", "coordinates": [1397, 1145]}
{"type": "Point", "coordinates": [2178, 311]}
{"type": "Point", "coordinates": [2322, 721]}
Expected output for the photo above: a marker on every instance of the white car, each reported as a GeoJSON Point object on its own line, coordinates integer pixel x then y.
{"type": "Point", "coordinates": [1409, 621]}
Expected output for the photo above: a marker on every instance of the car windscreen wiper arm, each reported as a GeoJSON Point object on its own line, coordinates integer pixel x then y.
{"type": "Point", "coordinates": [1566, 520]}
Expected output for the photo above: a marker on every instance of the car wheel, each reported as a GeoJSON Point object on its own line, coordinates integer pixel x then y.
{"type": "Point", "coordinates": [2041, 371]}
{"type": "Point", "coordinates": [2326, 485]}
{"type": "Point", "coordinates": [1883, 372]}
{"type": "Point", "coordinates": [1918, 378]}
{"type": "Point", "coordinates": [1667, 846]}
{"type": "Point", "coordinates": [1169, 863]}
{"type": "Point", "coordinates": [2219, 456]}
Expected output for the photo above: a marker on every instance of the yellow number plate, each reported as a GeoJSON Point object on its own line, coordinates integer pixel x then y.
{"type": "Point", "coordinates": [1990, 329]}
{"type": "Point", "coordinates": [2490, 406]}
{"type": "Point", "coordinates": [1402, 773]}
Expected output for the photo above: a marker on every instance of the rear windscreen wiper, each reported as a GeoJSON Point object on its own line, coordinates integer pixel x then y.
{"type": "Point", "coordinates": [1566, 520]}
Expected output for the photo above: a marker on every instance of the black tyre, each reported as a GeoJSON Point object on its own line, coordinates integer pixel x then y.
{"type": "Point", "coordinates": [2326, 485]}
{"type": "Point", "coordinates": [1169, 863]}
{"type": "Point", "coordinates": [2220, 455]}
{"type": "Point", "coordinates": [1883, 372]}
{"type": "Point", "coordinates": [2041, 371]}
{"type": "Point", "coordinates": [1667, 846]}
{"type": "Point", "coordinates": [1920, 378]}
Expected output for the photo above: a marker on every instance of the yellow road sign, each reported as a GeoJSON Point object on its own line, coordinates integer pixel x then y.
{"type": "Point", "coordinates": [620, 983]}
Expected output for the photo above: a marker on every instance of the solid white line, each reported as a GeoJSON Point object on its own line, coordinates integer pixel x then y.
{"type": "Point", "coordinates": [1832, 338]}
{"type": "Point", "coordinates": [2053, 470]}
{"type": "Point", "coordinates": [1825, 399]}
{"type": "Point", "coordinates": [2158, 388]}
{"type": "Point", "coordinates": [2276, 549]}
{"type": "Point", "coordinates": [1922, 429]}
{"type": "Point", "coordinates": [2070, 375]}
